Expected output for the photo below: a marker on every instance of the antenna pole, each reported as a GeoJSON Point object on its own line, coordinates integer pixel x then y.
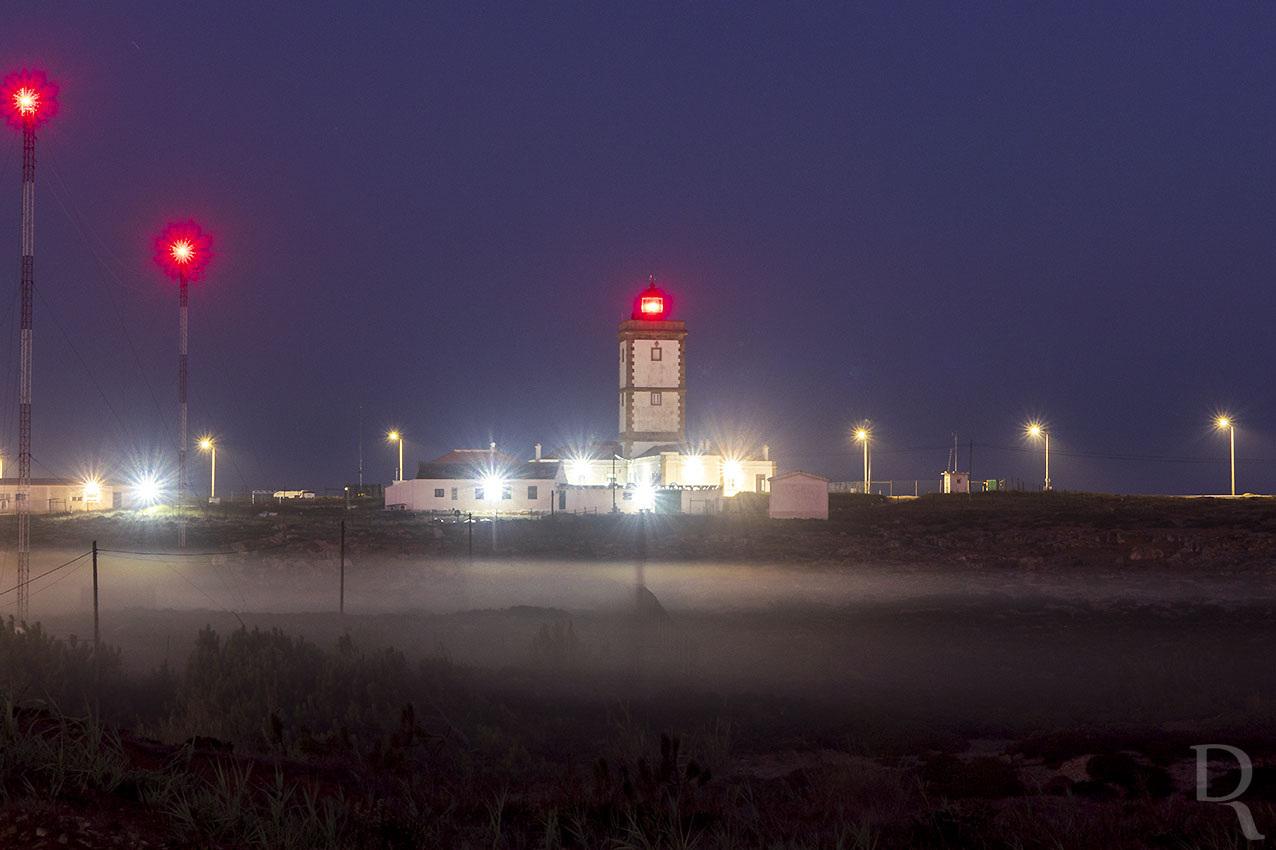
{"type": "Point", "coordinates": [24, 373]}
{"type": "Point", "coordinates": [183, 299]}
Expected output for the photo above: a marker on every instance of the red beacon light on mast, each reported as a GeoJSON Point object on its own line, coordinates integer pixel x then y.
{"type": "Point", "coordinates": [183, 250]}
{"type": "Point", "coordinates": [651, 305]}
{"type": "Point", "coordinates": [29, 98]}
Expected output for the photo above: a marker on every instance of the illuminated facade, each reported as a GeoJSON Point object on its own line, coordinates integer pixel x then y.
{"type": "Point", "coordinates": [61, 495]}
{"type": "Point", "coordinates": [478, 481]}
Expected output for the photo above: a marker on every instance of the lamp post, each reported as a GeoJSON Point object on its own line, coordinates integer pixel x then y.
{"type": "Point", "coordinates": [1034, 431]}
{"type": "Point", "coordinates": [206, 444]}
{"type": "Point", "coordinates": [862, 436]}
{"type": "Point", "coordinates": [1225, 422]}
{"type": "Point", "coordinates": [396, 437]}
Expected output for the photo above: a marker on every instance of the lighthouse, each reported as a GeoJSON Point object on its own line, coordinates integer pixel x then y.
{"type": "Point", "coordinates": [653, 375]}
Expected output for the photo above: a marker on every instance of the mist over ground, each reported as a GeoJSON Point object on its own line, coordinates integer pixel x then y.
{"type": "Point", "coordinates": [971, 633]}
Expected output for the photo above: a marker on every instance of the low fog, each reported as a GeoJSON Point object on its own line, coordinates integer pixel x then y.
{"type": "Point", "coordinates": [965, 642]}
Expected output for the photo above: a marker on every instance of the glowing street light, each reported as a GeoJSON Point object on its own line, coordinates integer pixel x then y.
{"type": "Point", "coordinates": [206, 444]}
{"type": "Point", "coordinates": [732, 476]}
{"type": "Point", "coordinates": [493, 488]}
{"type": "Point", "coordinates": [578, 470]}
{"type": "Point", "coordinates": [396, 437]}
{"type": "Point", "coordinates": [1036, 430]}
{"type": "Point", "coordinates": [147, 488]}
{"type": "Point", "coordinates": [1226, 422]}
{"type": "Point", "coordinates": [862, 435]}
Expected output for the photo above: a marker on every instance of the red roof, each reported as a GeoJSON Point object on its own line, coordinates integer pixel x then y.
{"type": "Point", "coordinates": [475, 456]}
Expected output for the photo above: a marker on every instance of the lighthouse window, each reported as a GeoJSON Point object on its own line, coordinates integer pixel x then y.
{"type": "Point", "coordinates": [655, 399]}
{"type": "Point", "coordinates": [655, 352]}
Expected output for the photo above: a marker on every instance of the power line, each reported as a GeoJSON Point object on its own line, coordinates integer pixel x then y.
{"type": "Point", "coordinates": [48, 572]}
{"type": "Point", "coordinates": [195, 554]}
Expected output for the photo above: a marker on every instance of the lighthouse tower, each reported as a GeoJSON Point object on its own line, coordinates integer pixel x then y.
{"type": "Point", "coordinates": [653, 375]}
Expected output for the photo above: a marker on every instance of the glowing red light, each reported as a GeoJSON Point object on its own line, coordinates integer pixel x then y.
{"type": "Point", "coordinates": [183, 249]}
{"type": "Point", "coordinates": [29, 97]}
{"type": "Point", "coordinates": [651, 304]}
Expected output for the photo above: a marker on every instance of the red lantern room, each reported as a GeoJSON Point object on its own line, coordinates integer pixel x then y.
{"type": "Point", "coordinates": [652, 305]}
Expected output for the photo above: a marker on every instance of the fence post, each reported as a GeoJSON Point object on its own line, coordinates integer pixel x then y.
{"type": "Point", "coordinates": [469, 523]}
{"type": "Point", "coordinates": [97, 634]}
{"type": "Point", "coordinates": [341, 603]}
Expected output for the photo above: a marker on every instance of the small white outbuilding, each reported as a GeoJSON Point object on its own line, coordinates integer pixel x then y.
{"type": "Point", "coordinates": [799, 495]}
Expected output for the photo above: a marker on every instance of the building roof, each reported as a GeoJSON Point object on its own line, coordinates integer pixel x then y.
{"type": "Point", "coordinates": [799, 473]}
{"type": "Point", "coordinates": [599, 450]}
{"type": "Point", "coordinates": [475, 456]}
{"type": "Point", "coordinates": [51, 482]}
{"type": "Point", "coordinates": [477, 470]}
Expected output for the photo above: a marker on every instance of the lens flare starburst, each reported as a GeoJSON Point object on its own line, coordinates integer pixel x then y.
{"type": "Point", "coordinates": [183, 249]}
{"type": "Point", "coordinates": [29, 97]}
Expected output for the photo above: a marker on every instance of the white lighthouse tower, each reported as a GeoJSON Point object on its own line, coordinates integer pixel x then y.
{"type": "Point", "coordinates": [653, 375]}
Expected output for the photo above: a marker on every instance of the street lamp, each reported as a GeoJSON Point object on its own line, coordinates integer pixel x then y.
{"type": "Point", "coordinates": [862, 434]}
{"type": "Point", "coordinates": [396, 437]}
{"type": "Point", "coordinates": [1225, 422]}
{"type": "Point", "coordinates": [206, 444]}
{"type": "Point", "coordinates": [1036, 430]}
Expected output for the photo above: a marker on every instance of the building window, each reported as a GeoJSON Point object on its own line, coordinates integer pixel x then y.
{"type": "Point", "coordinates": [507, 491]}
{"type": "Point", "coordinates": [438, 492]}
{"type": "Point", "coordinates": [626, 496]}
{"type": "Point", "coordinates": [655, 351]}
{"type": "Point", "coordinates": [479, 494]}
{"type": "Point", "coordinates": [655, 399]}
{"type": "Point", "coordinates": [531, 491]}
{"type": "Point", "coordinates": [454, 489]}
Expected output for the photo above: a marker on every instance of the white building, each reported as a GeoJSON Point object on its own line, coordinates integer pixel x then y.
{"type": "Point", "coordinates": [799, 495]}
{"type": "Point", "coordinates": [61, 495]}
{"type": "Point", "coordinates": [478, 481]}
{"type": "Point", "coordinates": [956, 482]}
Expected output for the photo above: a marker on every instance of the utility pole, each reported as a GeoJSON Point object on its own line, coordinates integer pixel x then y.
{"type": "Point", "coordinates": [97, 632]}
{"type": "Point", "coordinates": [341, 604]}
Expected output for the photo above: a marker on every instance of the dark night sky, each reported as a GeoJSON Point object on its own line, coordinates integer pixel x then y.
{"type": "Point", "coordinates": [943, 217]}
